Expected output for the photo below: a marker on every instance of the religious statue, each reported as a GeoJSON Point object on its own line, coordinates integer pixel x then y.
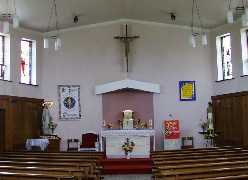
{"type": "Point", "coordinates": [127, 119]}
{"type": "Point", "coordinates": [210, 115]}
{"type": "Point", "coordinates": [48, 126]}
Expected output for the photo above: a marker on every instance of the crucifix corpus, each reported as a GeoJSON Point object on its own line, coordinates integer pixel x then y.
{"type": "Point", "coordinates": [126, 39]}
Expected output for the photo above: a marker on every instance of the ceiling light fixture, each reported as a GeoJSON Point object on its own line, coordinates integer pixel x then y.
{"type": "Point", "coordinates": [9, 15]}
{"type": "Point", "coordinates": [194, 35]}
{"type": "Point", "coordinates": [244, 17]}
{"type": "Point", "coordinates": [55, 38]}
{"type": "Point", "coordinates": [230, 18]}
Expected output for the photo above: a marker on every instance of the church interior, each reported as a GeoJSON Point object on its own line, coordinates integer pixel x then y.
{"type": "Point", "coordinates": [123, 89]}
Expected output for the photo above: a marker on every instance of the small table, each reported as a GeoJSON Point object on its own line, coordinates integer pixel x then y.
{"type": "Point", "coordinates": [42, 143]}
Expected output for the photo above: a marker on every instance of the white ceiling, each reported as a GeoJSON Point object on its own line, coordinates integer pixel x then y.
{"type": "Point", "coordinates": [34, 14]}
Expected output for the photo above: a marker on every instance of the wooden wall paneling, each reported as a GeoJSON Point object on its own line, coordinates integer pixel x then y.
{"type": "Point", "coordinates": [4, 104]}
{"type": "Point", "coordinates": [245, 119]}
{"type": "Point", "coordinates": [231, 118]}
{"type": "Point", "coordinates": [18, 124]}
{"type": "Point", "coordinates": [219, 126]}
{"type": "Point", "coordinates": [2, 129]}
{"type": "Point", "coordinates": [23, 120]}
{"type": "Point", "coordinates": [32, 120]}
{"type": "Point", "coordinates": [237, 121]}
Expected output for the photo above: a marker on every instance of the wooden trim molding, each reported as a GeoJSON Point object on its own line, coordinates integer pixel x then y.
{"type": "Point", "coordinates": [241, 93]}
{"type": "Point", "coordinates": [127, 84]}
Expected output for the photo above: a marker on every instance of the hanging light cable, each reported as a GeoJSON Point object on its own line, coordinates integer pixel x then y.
{"type": "Point", "coordinates": [56, 37]}
{"type": "Point", "coordinates": [15, 19]}
{"type": "Point", "coordinates": [204, 40]}
{"type": "Point", "coordinates": [230, 13]}
{"type": "Point", "coordinates": [46, 39]}
{"type": "Point", "coordinates": [58, 43]}
{"type": "Point", "coordinates": [193, 36]}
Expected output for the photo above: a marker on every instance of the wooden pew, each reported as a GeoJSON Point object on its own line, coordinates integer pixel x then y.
{"type": "Point", "coordinates": [83, 160]}
{"type": "Point", "coordinates": [206, 156]}
{"type": "Point", "coordinates": [197, 150]}
{"type": "Point", "coordinates": [198, 153]}
{"type": "Point", "coordinates": [242, 176]}
{"type": "Point", "coordinates": [86, 169]}
{"type": "Point", "coordinates": [202, 160]}
{"type": "Point", "coordinates": [198, 164]}
{"type": "Point", "coordinates": [5, 175]}
{"type": "Point", "coordinates": [77, 173]}
{"type": "Point", "coordinates": [206, 173]}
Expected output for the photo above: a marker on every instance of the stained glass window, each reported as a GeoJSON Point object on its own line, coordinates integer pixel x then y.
{"type": "Point", "coordinates": [226, 54]}
{"type": "Point", "coordinates": [26, 61]}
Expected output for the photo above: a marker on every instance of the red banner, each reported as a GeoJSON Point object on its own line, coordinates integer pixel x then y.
{"type": "Point", "coordinates": [171, 129]}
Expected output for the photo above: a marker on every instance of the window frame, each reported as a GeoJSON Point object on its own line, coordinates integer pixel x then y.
{"type": "Point", "coordinates": [244, 49]}
{"type": "Point", "coordinates": [220, 58]}
{"type": "Point", "coordinates": [32, 62]}
{"type": "Point", "coordinates": [2, 74]}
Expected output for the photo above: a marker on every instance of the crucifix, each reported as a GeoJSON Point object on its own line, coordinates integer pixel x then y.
{"type": "Point", "coordinates": [126, 39]}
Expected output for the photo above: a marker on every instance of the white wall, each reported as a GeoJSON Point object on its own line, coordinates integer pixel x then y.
{"type": "Point", "coordinates": [13, 87]}
{"type": "Point", "coordinates": [91, 56]}
{"type": "Point", "coordinates": [238, 83]}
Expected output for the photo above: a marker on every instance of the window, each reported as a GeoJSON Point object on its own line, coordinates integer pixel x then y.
{"type": "Point", "coordinates": [224, 57]}
{"type": "Point", "coordinates": [28, 61]}
{"type": "Point", "coordinates": [244, 44]}
{"type": "Point", "coordinates": [4, 57]}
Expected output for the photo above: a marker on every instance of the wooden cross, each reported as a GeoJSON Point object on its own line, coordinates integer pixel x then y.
{"type": "Point", "coordinates": [126, 39]}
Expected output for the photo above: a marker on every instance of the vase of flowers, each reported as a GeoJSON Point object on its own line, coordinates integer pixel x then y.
{"type": "Point", "coordinates": [128, 147]}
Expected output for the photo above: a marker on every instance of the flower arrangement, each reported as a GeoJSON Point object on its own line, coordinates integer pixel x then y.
{"type": "Point", "coordinates": [128, 146]}
{"type": "Point", "coordinates": [210, 134]}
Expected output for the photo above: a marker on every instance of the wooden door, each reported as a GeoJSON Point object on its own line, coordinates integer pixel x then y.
{"type": "Point", "coordinates": [2, 131]}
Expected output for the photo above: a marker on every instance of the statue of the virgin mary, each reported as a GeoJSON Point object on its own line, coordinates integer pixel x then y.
{"type": "Point", "coordinates": [46, 118]}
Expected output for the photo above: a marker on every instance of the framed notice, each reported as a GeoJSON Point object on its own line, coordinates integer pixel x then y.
{"type": "Point", "coordinates": [69, 102]}
{"type": "Point", "coordinates": [187, 90]}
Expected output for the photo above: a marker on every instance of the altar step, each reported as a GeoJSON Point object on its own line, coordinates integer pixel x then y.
{"type": "Point", "coordinates": [127, 166]}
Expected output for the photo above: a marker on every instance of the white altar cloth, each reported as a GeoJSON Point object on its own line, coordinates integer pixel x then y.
{"type": "Point", "coordinates": [114, 139]}
{"type": "Point", "coordinates": [42, 143]}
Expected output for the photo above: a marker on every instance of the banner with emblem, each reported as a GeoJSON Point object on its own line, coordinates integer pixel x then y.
{"type": "Point", "coordinates": [69, 102]}
{"type": "Point", "coordinates": [171, 129]}
{"type": "Point", "coordinates": [171, 135]}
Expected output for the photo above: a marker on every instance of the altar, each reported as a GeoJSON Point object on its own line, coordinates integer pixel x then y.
{"type": "Point", "coordinates": [144, 141]}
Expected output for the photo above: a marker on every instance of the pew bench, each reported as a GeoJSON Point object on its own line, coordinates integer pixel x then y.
{"type": "Point", "coordinates": [200, 174]}
{"type": "Point", "coordinates": [5, 175]}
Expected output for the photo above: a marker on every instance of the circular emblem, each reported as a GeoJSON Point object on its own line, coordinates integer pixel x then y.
{"type": "Point", "coordinates": [69, 102]}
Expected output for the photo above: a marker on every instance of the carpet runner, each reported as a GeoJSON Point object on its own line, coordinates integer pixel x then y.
{"type": "Point", "coordinates": [127, 166]}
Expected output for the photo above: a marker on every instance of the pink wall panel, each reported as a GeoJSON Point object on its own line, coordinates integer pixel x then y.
{"type": "Point", "coordinates": [115, 102]}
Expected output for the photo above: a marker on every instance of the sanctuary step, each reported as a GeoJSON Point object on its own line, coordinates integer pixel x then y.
{"type": "Point", "coordinates": [127, 166]}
